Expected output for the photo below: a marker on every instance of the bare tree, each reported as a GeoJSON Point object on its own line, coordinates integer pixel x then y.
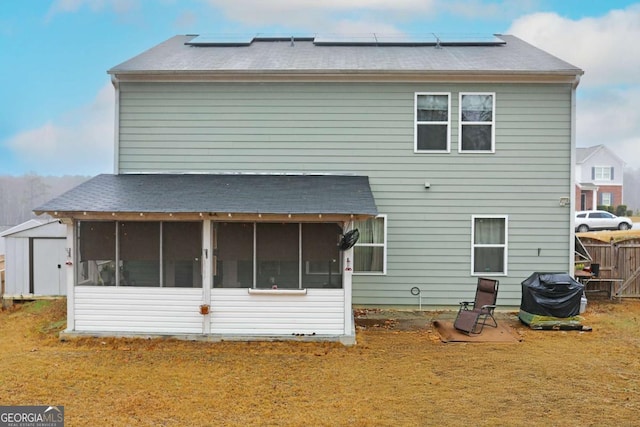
{"type": "Point", "coordinates": [19, 195]}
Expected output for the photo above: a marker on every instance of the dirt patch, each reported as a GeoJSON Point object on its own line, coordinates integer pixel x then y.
{"type": "Point", "coordinates": [399, 373]}
{"type": "Point", "coordinates": [399, 320]}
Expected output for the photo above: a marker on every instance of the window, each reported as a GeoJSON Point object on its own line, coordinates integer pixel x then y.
{"type": "Point", "coordinates": [489, 245]}
{"type": "Point", "coordinates": [602, 173]}
{"type": "Point", "coordinates": [432, 118]}
{"type": "Point", "coordinates": [370, 252]}
{"type": "Point", "coordinates": [600, 215]}
{"type": "Point", "coordinates": [477, 123]}
{"type": "Point", "coordinates": [606, 199]}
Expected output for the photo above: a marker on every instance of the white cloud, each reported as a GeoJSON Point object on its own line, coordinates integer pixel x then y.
{"type": "Point", "coordinates": [605, 47]}
{"type": "Point", "coordinates": [482, 9]}
{"type": "Point", "coordinates": [362, 27]}
{"type": "Point", "coordinates": [330, 16]}
{"type": "Point", "coordinates": [186, 19]}
{"type": "Point", "coordinates": [612, 117]}
{"type": "Point", "coordinates": [81, 142]}
{"type": "Point", "coordinates": [72, 6]}
{"type": "Point", "coordinates": [327, 16]}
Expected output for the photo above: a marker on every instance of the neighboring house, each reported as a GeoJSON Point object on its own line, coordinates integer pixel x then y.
{"type": "Point", "coordinates": [599, 178]}
{"type": "Point", "coordinates": [36, 253]}
{"type": "Point", "coordinates": [239, 165]}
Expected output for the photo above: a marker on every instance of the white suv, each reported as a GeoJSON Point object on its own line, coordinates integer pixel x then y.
{"type": "Point", "coordinates": [600, 220]}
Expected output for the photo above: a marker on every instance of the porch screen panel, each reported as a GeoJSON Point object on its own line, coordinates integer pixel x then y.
{"type": "Point", "coordinates": [277, 252]}
{"type": "Point", "coordinates": [139, 253]}
{"type": "Point", "coordinates": [181, 254]}
{"type": "Point", "coordinates": [320, 256]}
{"type": "Point", "coordinates": [96, 253]}
{"type": "Point", "coordinates": [234, 255]}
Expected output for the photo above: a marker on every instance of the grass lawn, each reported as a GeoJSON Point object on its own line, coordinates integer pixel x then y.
{"type": "Point", "coordinates": [394, 376]}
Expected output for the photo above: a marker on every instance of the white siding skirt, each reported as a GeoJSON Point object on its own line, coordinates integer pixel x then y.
{"type": "Point", "coordinates": [235, 314]}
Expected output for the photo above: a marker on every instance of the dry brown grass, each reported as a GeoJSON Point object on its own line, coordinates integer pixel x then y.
{"type": "Point", "coordinates": [398, 374]}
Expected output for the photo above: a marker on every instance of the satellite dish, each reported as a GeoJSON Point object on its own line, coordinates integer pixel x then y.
{"type": "Point", "coordinates": [349, 239]}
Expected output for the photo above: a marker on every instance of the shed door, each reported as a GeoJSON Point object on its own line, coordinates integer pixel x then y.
{"type": "Point", "coordinates": [49, 272]}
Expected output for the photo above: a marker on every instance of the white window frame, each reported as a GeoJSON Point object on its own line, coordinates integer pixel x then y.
{"type": "Point", "coordinates": [505, 245]}
{"type": "Point", "coordinates": [416, 123]}
{"type": "Point", "coordinates": [492, 123]}
{"type": "Point", "coordinates": [606, 199]}
{"type": "Point", "coordinates": [604, 173]}
{"type": "Point", "coordinates": [384, 252]}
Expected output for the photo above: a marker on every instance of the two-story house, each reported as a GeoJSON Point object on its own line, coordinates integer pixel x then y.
{"type": "Point", "coordinates": [240, 165]}
{"type": "Point", "coordinates": [599, 178]}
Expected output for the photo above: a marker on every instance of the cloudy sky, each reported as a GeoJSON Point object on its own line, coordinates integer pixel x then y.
{"type": "Point", "coordinates": [56, 114]}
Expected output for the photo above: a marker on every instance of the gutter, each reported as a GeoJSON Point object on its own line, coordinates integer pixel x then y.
{"type": "Point", "coordinates": [116, 134]}
{"type": "Point", "coordinates": [561, 76]}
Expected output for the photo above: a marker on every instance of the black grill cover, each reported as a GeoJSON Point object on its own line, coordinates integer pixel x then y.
{"type": "Point", "coordinates": [551, 294]}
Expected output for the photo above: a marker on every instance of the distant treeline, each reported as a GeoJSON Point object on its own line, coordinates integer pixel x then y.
{"type": "Point", "coordinates": [19, 195]}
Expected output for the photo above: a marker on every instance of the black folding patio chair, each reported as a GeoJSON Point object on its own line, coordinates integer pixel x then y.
{"type": "Point", "coordinates": [473, 315]}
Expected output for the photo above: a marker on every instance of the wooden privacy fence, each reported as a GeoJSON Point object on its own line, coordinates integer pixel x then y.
{"type": "Point", "coordinates": [618, 260]}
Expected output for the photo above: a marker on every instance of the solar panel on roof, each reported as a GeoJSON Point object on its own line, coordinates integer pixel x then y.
{"type": "Point", "coordinates": [221, 40]}
{"type": "Point", "coordinates": [337, 39]}
{"type": "Point", "coordinates": [406, 39]}
{"type": "Point", "coordinates": [374, 39]}
{"type": "Point", "coordinates": [469, 39]}
{"type": "Point", "coordinates": [366, 39]}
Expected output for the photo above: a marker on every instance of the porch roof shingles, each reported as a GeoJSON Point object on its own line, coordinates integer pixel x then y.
{"type": "Point", "coordinates": [222, 193]}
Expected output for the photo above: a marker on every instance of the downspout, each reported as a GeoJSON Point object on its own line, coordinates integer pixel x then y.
{"type": "Point", "coordinates": [572, 198]}
{"type": "Point", "coordinates": [116, 134]}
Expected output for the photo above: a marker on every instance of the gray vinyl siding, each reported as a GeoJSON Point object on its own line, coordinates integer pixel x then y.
{"type": "Point", "coordinates": [368, 129]}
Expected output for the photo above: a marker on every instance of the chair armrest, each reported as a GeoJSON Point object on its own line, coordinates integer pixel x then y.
{"type": "Point", "coordinates": [466, 303]}
{"type": "Point", "coordinates": [488, 306]}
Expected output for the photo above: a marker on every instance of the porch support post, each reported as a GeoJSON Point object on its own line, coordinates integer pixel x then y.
{"type": "Point", "coordinates": [207, 277]}
{"type": "Point", "coordinates": [71, 276]}
{"type": "Point", "coordinates": [347, 274]}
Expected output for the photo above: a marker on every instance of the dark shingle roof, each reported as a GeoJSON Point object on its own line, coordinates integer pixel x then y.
{"type": "Point", "coordinates": [305, 57]}
{"type": "Point", "coordinates": [222, 193]}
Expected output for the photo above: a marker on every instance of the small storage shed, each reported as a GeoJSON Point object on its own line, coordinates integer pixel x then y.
{"type": "Point", "coordinates": [34, 258]}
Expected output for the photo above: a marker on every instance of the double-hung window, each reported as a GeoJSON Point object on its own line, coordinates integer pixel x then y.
{"type": "Point", "coordinates": [602, 173]}
{"type": "Point", "coordinates": [489, 237]}
{"type": "Point", "coordinates": [370, 252]}
{"type": "Point", "coordinates": [477, 123]}
{"type": "Point", "coordinates": [432, 120]}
